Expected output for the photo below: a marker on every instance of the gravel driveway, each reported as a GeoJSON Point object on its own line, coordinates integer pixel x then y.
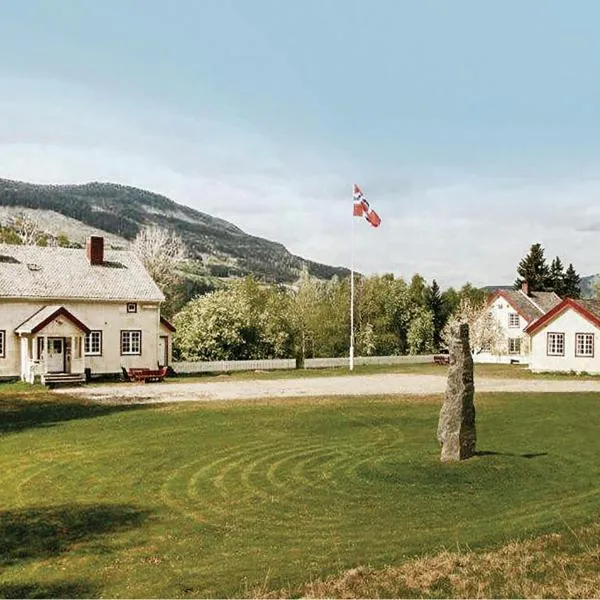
{"type": "Point", "coordinates": [356, 385]}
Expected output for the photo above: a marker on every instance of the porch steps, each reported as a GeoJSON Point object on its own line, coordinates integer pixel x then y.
{"type": "Point", "coordinates": [54, 379]}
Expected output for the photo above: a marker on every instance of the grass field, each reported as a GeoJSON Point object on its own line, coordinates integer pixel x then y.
{"type": "Point", "coordinates": [245, 499]}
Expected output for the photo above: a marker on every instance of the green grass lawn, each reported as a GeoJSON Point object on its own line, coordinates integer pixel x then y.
{"type": "Point", "coordinates": [222, 499]}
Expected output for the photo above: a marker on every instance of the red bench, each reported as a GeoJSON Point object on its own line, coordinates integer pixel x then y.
{"type": "Point", "coordinates": [441, 359]}
{"type": "Point", "coordinates": [146, 375]}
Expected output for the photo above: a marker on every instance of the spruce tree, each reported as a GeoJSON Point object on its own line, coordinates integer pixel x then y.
{"type": "Point", "coordinates": [534, 270]}
{"type": "Point", "coordinates": [450, 302]}
{"type": "Point", "coordinates": [557, 277]}
{"type": "Point", "coordinates": [435, 305]}
{"type": "Point", "coordinates": [571, 288]}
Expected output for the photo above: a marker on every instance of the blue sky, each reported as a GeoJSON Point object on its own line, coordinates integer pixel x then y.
{"type": "Point", "coordinates": [472, 126]}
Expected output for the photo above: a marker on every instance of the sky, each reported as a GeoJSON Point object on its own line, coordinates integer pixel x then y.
{"type": "Point", "coordinates": [472, 127]}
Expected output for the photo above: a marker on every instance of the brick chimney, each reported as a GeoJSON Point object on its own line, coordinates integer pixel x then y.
{"type": "Point", "coordinates": [95, 250]}
{"type": "Point", "coordinates": [525, 288]}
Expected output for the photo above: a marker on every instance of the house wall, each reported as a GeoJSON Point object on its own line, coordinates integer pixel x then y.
{"type": "Point", "coordinates": [109, 317]}
{"type": "Point", "coordinates": [500, 308]}
{"type": "Point", "coordinates": [164, 331]}
{"type": "Point", "coordinates": [569, 322]}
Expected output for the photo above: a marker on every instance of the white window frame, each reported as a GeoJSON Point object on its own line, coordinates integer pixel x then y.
{"type": "Point", "coordinates": [513, 320]}
{"type": "Point", "coordinates": [555, 343]}
{"type": "Point", "coordinates": [516, 345]}
{"type": "Point", "coordinates": [89, 343]}
{"type": "Point", "coordinates": [582, 348]}
{"type": "Point", "coordinates": [132, 307]}
{"type": "Point", "coordinates": [2, 343]}
{"type": "Point", "coordinates": [131, 342]}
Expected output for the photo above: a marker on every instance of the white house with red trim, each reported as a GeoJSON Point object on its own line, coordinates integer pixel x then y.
{"type": "Point", "coordinates": [565, 338]}
{"type": "Point", "coordinates": [515, 310]}
{"type": "Point", "coordinates": [65, 312]}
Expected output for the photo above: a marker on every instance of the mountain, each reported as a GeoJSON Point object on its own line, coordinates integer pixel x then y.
{"type": "Point", "coordinates": [587, 285]}
{"type": "Point", "coordinates": [223, 248]}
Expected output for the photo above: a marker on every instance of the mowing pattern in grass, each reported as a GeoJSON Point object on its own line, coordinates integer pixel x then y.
{"type": "Point", "coordinates": [223, 499]}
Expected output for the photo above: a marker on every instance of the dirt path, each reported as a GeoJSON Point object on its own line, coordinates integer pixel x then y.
{"type": "Point", "coordinates": [357, 385]}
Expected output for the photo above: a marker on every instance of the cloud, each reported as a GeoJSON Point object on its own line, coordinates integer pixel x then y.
{"type": "Point", "coordinates": [449, 225]}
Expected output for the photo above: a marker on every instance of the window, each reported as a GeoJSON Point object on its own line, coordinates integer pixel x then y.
{"type": "Point", "coordinates": [2, 343]}
{"type": "Point", "coordinates": [131, 342]}
{"type": "Point", "coordinates": [131, 307]}
{"type": "Point", "coordinates": [513, 319]}
{"type": "Point", "coordinates": [584, 344]}
{"type": "Point", "coordinates": [556, 344]}
{"type": "Point", "coordinates": [93, 343]}
{"type": "Point", "coordinates": [514, 345]}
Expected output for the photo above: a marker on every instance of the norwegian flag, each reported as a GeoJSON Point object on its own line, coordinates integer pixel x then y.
{"type": "Point", "coordinates": [362, 207]}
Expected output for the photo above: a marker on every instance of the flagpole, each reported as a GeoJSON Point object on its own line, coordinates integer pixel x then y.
{"type": "Point", "coordinates": [351, 365]}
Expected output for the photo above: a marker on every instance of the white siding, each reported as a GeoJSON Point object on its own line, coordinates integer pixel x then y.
{"type": "Point", "coordinates": [109, 317]}
{"type": "Point", "coordinates": [500, 309]}
{"type": "Point", "coordinates": [570, 323]}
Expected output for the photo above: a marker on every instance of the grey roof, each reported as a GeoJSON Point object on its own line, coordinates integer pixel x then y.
{"type": "Point", "coordinates": [546, 300]}
{"type": "Point", "coordinates": [533, 306]}
{"type": "Point", "coordinates": [592, 306]}
{"type": "Point", "coordinates": [65, 273]}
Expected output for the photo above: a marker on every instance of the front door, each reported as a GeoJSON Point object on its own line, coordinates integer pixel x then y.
{"type": "Point", "coordinates": [56, 355]}
{"type": "Point", "coordinates": [163, 351]}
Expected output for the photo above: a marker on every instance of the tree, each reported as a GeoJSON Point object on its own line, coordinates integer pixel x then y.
{"type": "Point", "coordinates": [485, 332]}
{"type": "Point", "coordinates": [365, 340]}
{"type": "Point", "coordinates": [420, 334]}
{"type": "Point", "coordinates": [475, 295]}
{"type": "Point", "coordinates": [571, 283]}
{"type": "Point", "coordinates": [27, 231]}
{"type": "Point", "coordinates": [400, 310]}
{"type": "Point", "coordinates": [9, 236]}
{"type": "Point", "coordinates": [62, 241]}
{"type": "Point", "coordinates": [534, 270]}
{"type": "Point", "coordinates": [376, 301]}
{"type": "Point", "coordinates": [436, 306]}
{"type": "Point", "coordinates": [450, 302]}
{"type": "Point", "coordinates": [557, 277]}
{"type": "Point", "coordinates": [303, 315]}
{"type": "Point", "coordinates": [210, 328]}
{"type": "Point", "coordinates": [161, 252]}
{"type": "Point", "coordinates": [244, 321]}
{"type": "Point", "coordinates": [418, 290]}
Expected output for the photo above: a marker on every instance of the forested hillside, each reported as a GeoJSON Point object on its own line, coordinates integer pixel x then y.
{"type": "Point", "coordinates": [122, 210]}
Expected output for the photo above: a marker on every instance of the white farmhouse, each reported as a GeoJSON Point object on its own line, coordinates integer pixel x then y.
{"type": "Point", "coordinates": [564, 339]}
{"type": "Point", "coordinates": [514, 310]}
{"type": "Point", "coordinates": [66, 312]}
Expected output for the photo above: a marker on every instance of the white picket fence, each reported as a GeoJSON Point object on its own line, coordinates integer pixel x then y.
{"type": "Point", "coordinates": [224, 366]}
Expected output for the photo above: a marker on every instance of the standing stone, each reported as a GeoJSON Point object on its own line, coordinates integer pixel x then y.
{"type": "Point", "coordinates": [456, 427]}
